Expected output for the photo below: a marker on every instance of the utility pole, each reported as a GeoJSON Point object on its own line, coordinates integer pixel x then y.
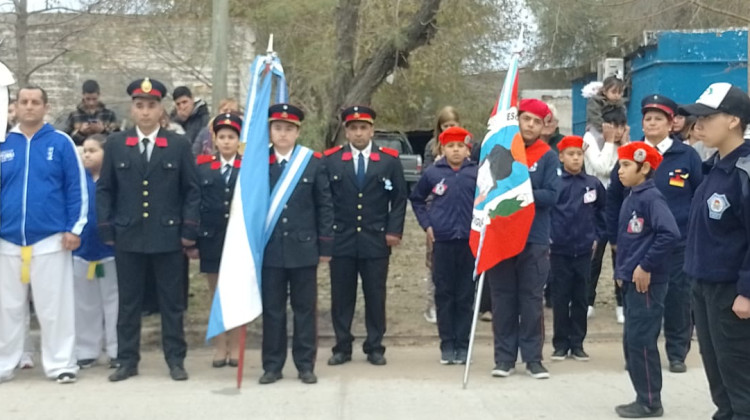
{"type": "Point", "coordinates": [219, 45]}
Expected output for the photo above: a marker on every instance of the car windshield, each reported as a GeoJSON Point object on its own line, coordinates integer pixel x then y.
{"type": "Point", "coordinates": [390, 143]}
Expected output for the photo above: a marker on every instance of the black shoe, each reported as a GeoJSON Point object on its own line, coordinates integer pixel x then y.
{"type": "Point", "coordinates": [86, 363]}
{"type": "Point", "coordinates": [66, 378]}
{"type": "Point", "coordinates": [219, 363]}
{"type": "Point", "coordinates": [580, 355]}
{"type": "Point", "coordinates": [269, 378]}
{"type": "Point", "coordinates": [307, 377]}
{"type": "Point", "coordinates": [461, 356]}
{"type": "Point", "coordinates": [536, 370]}
{"type": "Point", "coordinates": [559, 355]}
{"type": "Point", "coordinates": [234, 362]}
{"type": "Point", "coordinates": [339, 359]}
{"type": "Point", "coordinates": [503, 369]}
{"type": "Point", "coordinates": [447, 357]}
{"type": "Point", "coordinates": [376, 359]}
{"type": "Point", "coordinates": [178, 373]}
{"type": "Point", "coordinates": [122, 373]}
{"type": "Point", "coordinates": [677, 367]}
{"type": "Point", "coordinates": [114, 363]}
{"type": "Point", "coordinates": [635, 410]}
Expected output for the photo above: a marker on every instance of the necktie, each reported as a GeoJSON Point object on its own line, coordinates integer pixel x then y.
{"type": "Point", "coordinates": [144, 153]}
{"type": "Point", "coordinates": [282, 164]}
{"type": "Point", "coordinates": [226, 173]}
{"type": "Point", "coordinates": [361, 170]}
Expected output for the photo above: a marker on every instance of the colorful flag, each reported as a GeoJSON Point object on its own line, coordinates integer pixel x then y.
{"type": "Point", "coordinates": [238, 300]}
{"type": "Point", "coordinates": [504, 202]}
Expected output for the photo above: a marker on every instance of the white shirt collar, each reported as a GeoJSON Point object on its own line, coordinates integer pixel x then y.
{"type": "Point", "coordinates": [151, 137]}
{"type": "Point", "coordinates": [365, 152]}
{"type": "Point", "coordinates": [663, 145]}
{"type": "Point", "coordinates": [279, 157]}
{"type": "Point", "coordinates": [229, 162]}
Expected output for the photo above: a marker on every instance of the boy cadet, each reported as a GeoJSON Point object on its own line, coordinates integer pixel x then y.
{"type": "Point", "coordinates": [677, 178]}
{"type": "Point", "coordinates": [646, 230]}
{"type": "Point", "coordinates": [369, 196]}
{"type": "Point", "coordinates": [43, 209]}
{"type": "Point", "coordinates": [717, 256]}
{"type": "Point", "coordinates": [302, 237]}
{"type": "Point", "coordinates": [517, 284]}
{"type": "Point", "coordinates": [148, 202]}
{"type": "Point", "coordinates": [577, 225]}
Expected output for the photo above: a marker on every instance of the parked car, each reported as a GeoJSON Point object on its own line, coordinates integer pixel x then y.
{"type": "Point", "coordinates": [411, 161]}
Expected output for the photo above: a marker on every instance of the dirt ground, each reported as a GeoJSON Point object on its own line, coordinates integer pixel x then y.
{"type": "Point", "coordinates": [405, 300]}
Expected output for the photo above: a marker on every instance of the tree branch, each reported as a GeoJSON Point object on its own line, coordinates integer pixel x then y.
{"type": "Point", "coordinates": [47, 62]}
{"type": "Point", "coordinates": [716, 10]}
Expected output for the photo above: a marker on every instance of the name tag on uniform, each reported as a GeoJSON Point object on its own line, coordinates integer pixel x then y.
{"type": "Point", "coordinates": [717, 205]}
{"type": "Point", "coordinates": [387, 184]}
{"type": "Point", "coordinates": [589, 197]}
{"type": "Point", "coordinates": [635, 225]}
{"type": "Point", "coordinates": [534, 167]}
{"type": "Point", "coordinates": [440, 188]}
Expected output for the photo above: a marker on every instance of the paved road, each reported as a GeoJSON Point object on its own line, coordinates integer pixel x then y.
{"type": "Point", "coordinates": [412, 386]}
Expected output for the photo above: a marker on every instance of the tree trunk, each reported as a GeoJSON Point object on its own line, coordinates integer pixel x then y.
{"type": "Point", "coordinates": [21, 31]}
{"type": "Point", "coordinates": [357, 88]}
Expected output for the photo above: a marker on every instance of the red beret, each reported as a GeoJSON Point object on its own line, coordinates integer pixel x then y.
{"type": "Point", "coordinates": [452, 134]}
{"type": "Point", "coordinates": [640, 152]}
{"type": "Point", "coordinates": [570, 141]}
{"type": "Point", "coordinates": [534, 106]}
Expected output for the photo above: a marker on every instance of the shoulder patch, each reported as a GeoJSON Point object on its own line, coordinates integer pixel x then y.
{"type": "Point", "coordinates": [332, 150]}
{"type": "Point", "coordinates": [317, 155]}
{"type": "Point", "coordinates": [201, 159]}
{"type": "Point", "coordinates": [389, 151]}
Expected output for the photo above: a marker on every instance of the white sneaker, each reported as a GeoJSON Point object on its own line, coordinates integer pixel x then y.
{"type": "Point", "coordinates": [620, 315]}
{"type": "Point", "coordinates": [430, 315]}
{"type": "Point", "coordinates": [590, 312]}
{"type": "Point", "coordinates": [26, 362]}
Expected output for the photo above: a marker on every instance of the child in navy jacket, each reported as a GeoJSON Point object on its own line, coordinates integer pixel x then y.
{"type": "Point", "coordinates": [646, 231]}
{"type": "Point", "coordinates": [577, 225]}
{"type": "Point", "coordinates": [94, 275]}
{"type": "Point", "coordinates": [717, 256]}
{"type": "Point", "coordinates": [452, 183]}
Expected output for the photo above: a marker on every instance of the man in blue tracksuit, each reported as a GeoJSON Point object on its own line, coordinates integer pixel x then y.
{"type": "Point", "coordinates": [717, 256]}
{"type": "Point", "coordinates": [517, 284]}
{"type": "Point", "coordinates": [646, 230]}
{"type": "Point", "coordinates": [677, 178]}
{"type": "Point", "coordinates": [43, 209]}
{"type": "Point", "coordinates": [452, 183]}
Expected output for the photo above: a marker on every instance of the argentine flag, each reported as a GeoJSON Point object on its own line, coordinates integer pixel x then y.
{"type": "Point", "coordinates": [238, 300]}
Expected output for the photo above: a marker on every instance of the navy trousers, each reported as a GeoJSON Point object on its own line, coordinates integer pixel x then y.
{"type": "Point", "coordinates": [452, 268]}
{"type": "Point", "coordinates": [724, 341]}
{"type": "Point", "coordinates": [643, 315]}
{"type": "Point", "coordinates": [517, 287]}
{"type": "Point", "coordinates": [678, 322]}
{"type": "Point", "coordinates": [570, 276]}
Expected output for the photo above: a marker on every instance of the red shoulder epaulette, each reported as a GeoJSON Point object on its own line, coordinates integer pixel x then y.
{"type": "Point", "coordinates": [389, 151]}
{"type": "Point", "coordinates": [332, 150]}
{"type": "Point", "coordinates": [317, 155]}
{"type": "Point", "coordinates": [201, 159]}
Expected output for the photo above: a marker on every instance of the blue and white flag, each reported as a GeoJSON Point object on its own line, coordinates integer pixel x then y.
{"type": "Point", "coordinates": [238, 300]}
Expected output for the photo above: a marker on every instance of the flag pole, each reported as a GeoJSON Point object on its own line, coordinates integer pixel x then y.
{"type": "Point", "coordinates": [243, 328]}
{"type": "Point", "coordinates": [477, 303]}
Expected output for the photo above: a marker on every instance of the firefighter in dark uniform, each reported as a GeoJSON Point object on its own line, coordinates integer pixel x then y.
{"type": "Point", "coordinates": [302, 237]}
{"type": "Point", "coordinates": [369, 196]}
{"type": "Point", "coordinates": [148, 200]}
{"type": "Point", "coordinates": [217, 176]}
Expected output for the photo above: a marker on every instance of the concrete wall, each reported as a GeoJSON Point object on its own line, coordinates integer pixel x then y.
{"type": "Point", "coordinates": [114, 50]}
